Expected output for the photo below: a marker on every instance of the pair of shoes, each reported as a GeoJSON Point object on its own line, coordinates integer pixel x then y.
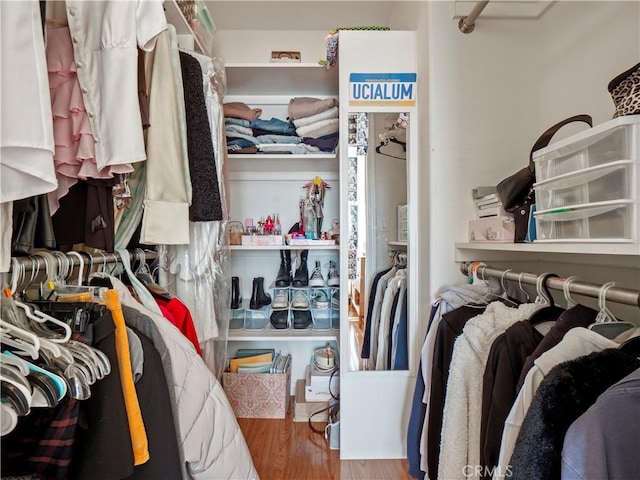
{"type": "Point", "coordinates": [236, 299]}
{"type": "Point", "coordinates": [300, 277]}
{"type": "Point", "coordinates": [319, 299]}
{"type": "Point", "coordinates": [280, 319]}
{"type": "Point", "coordinates": [302, 319]}
{"type": "Point", "coordinates": [259, 298]}
{"type": "Point", "coordinates": [317, 280]}
{"type": "Point", "coordinates": [300, 301]}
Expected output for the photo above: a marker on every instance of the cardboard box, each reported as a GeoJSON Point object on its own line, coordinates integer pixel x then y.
{"type": "Point", "coordinates": [492, 230]}
{"type": "Point", "coordinates": [258, 395]}
{"type": "Point", "coordinates": [303, 409]}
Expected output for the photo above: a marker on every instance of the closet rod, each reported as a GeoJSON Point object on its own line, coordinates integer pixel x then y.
{"type": "Point", "coordinates": [39, 262]}
{"type": "Point", "coordinates": [614, 294]}
{"type": "Point", "coordinates": [468, 24]}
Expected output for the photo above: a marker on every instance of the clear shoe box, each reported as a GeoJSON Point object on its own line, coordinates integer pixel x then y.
{"type": "Point", "coordinates": [256, 319]}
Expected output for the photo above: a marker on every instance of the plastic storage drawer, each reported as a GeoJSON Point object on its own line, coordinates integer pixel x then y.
{"type": "Point", "coordinates": [607, 182]}
{"type": "Point", "coordinates": [617, 139]}
{"type": "Point", "coordinates": [604, 222]}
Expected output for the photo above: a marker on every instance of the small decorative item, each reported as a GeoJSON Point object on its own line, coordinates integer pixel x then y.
{"type": "Point", "coordinates": [236, 230]}
{"type": "Point", "coordinates": [312, 213]}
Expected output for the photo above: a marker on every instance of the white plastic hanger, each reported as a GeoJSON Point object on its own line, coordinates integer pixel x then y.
{"type": "Point", "coordinates": [20, 339]}
{"type": "Point", "coordinates": [566, 290]}
{"type": "Point", "coordinates": [606, 323]}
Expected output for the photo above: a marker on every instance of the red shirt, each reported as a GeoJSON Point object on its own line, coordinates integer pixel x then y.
{"type": "Point", "coordinates": [180, 316]}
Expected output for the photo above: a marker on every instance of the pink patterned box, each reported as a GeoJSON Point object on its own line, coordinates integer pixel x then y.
{"type": "Point", "coordinates": [258, 395]}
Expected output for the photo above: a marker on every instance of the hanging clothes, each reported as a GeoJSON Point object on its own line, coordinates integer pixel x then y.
{"type": "Point", "coordinates": [571, 388]}
{"type": "Point", "coordinates": [602, 443]}
{"type": "Point", "coordinates": [460, 440]}
{"type": "Point", "coordinates": [576, 343]}
{"type": "Point", "coordinates": [168, 183]}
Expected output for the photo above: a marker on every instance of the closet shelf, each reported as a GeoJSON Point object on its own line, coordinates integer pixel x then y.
{"type": "Point", "coordinates": [248, 248]}
{"type": "Point", "coordinates": [247, 156]}
{"type": "Point", "coordinates": [291, 79]}
{"type": "Point", "coordinates": [284, 335]}
{"type": "Point", "coordinates": [605, 254]}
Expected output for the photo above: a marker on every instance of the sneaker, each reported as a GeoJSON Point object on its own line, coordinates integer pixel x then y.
{"type": "Point", "coordinates": [316, 279]}
{"type": "Point", "coordinates": [333, 277]}
{"type": "Point", "coordinates": [335, 299]}
{"type": "Point", "coordinates": [300, 301]}
{"type": "Point", "coordinates": [280, 301]}
{"type": "Point", "coordinates": [319, 299]}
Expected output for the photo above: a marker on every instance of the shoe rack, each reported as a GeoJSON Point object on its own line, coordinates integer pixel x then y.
{"type": "Point", "coordinates": [263, 184]}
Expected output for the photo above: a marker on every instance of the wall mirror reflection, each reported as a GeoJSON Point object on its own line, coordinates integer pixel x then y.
{"type": "Point", "coordinates": [377, 241]}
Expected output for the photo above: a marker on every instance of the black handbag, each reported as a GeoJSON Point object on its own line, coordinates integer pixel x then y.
{"type": "Point", "coordinates": [514, 190]}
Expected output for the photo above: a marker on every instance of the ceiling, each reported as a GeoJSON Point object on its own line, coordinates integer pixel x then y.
{"type": "Point", "coordinates": [306, 14]}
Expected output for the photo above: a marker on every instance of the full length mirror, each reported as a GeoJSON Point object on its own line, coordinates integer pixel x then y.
{"type": "Point", "coordinates": [377, 241]}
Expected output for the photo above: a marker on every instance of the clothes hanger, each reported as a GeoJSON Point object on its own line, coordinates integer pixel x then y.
{"type": "Point", "coordinates": [548, 311]}
{"type": "Point", "coordinates": [504, 296]}
{"type": "Point", "coordinates": [384, 144]}
{"type": "Point", "coordinates": [566, 291]}
{"type": "Point", "coordinates": [20, 339]}
{"type": "Point", "coordinates": [606, 324]}
{"type": "Point", "coordinates": [16, 395]}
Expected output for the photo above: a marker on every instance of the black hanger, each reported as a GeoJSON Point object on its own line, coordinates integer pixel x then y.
{"type": "Point", "coordinates": [385, 143]}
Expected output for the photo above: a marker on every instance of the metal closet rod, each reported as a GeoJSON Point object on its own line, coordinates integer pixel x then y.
{"type": "Point", "coordinates": [613, 294]}
{"type": "Point", "coordinates": [468, 24]}
{"type": "Point", "coordinates": [40, 263]}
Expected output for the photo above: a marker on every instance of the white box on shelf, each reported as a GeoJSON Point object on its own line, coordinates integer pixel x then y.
{"type": "Point", "coordinates": [309, 242]}
{"type": "Point", "coordinates": [492, 230]}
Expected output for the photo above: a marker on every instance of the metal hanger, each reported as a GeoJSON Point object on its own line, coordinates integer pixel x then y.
{"type": "Point", "coordinates": [606, 324]}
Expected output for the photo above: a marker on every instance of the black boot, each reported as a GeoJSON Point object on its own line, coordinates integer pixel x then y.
{"type": "Point", "coordinates": [284, 274]}
{"type": "Point", "coordinates": [236, 299]}
{"type": "Point", "coordinates": [258, 296]}
{"type": "Point", "coordinates": [301, 277]}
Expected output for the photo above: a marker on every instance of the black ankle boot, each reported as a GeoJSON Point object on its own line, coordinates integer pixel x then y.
{"type": "Point", "coordinates": [284, 274]}
{"type": "Point", "coordinates": [236, 299]}
{"type": "Point", "coordinates": [301, 277]}
{"type": "Point", "coordinates": [258, 296]}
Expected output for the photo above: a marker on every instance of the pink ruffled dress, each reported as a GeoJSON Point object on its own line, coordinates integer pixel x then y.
{"type": "Point", "coordinates": [75, 156]}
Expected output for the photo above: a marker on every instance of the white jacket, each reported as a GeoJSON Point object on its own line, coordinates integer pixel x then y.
{"type": "Point", "coordinates": [210, 438]}
{"type": "Point", "coordinates": [460, 439]}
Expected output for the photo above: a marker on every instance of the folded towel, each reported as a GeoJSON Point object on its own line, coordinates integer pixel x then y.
{"type": "Point", "coordinates": [319, 129]}
{"type": "Point", "coordinates": [241, 110]}
{"type": "Point", "coordinates": [333, 112]}
{"type": "Point", "coordinates": [300, 107]}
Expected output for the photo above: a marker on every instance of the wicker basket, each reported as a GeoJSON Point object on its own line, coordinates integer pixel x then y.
{"type": "Point", "coordinates": [236, 230]}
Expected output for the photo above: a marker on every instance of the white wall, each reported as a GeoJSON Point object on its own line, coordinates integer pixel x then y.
{"type": "Point", "coordinates": [482, 117]}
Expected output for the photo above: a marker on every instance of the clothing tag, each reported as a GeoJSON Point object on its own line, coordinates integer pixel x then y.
{"type": "Point", "coordinates": [98, 223]}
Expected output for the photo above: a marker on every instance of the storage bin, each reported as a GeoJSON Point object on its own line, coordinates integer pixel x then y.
{"type": "Point", "coordinates": [256, 319]}
{"type": "Point", "coordinates": [600, 222]}
{"type": "Point", "coordinates": [258, 395]}
{"type": "Point", "coordinates": [607, 182]}
{"type": "Point", "coordinates": [492, 229]}
{"type": "Point", "coordinates": [321, 318]}
{"type": "Point", "coordinates": [237, 319]}
{"type": "Point", "coordinates": [617, 139]}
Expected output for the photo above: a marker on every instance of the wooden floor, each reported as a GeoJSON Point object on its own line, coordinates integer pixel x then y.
{"type": "Point", "coordinates": [288, 450]}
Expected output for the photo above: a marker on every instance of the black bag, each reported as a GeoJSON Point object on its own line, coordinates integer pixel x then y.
{"type": "Point", "coordinates": [517, 189]}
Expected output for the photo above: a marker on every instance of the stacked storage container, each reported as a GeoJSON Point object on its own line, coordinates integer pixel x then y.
{"type": "Point", "coordinates": [588, 185]}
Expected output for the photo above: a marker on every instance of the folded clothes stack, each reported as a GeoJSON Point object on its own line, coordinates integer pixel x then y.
{"type": "Point", "coordinates": [316, 130]}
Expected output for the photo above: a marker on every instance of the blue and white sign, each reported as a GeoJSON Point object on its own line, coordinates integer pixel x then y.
{"type": "Point", "coordinates": [382, 89]}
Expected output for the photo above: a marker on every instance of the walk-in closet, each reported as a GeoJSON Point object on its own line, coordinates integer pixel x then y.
{"type": "Point", "coordinates": [319, 239]}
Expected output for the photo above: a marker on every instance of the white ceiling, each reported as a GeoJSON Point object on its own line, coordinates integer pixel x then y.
{"type": "Point", "coordinates": [305, 14]}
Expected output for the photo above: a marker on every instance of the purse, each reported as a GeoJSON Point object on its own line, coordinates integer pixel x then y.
{"type": "Point", "coordinates": [513, 190]}
{"type": "Point", "coordinates": [625, 92]}
{"type": "Point", "coordinates": [516, 191]}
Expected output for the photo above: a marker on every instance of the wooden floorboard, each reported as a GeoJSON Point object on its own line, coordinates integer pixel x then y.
{"type": "Point", "coordinates": [288, 450]}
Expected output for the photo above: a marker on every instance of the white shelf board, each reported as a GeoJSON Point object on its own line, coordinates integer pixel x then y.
{"type": "Point", "coordinates": [270, 163]}
{"type": "Point", "coordinates": [285, 156]}
{"type": "Point", "coordinates": [291, 79]}
{"type": "Point", "coordinates": [283, 335]}
{"type": "Point", "coordinates": [397, 244]}
{"type": "Point", "coordinates": [567, 248]}
{"type": "Point", "coordinates": [622, 255]}
{"type": "Point", "coordinates": [248, 248]}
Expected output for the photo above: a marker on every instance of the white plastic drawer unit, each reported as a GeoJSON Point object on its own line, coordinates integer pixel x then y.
{"type": "Point", "coordinates": [608, 222]}
{"type": "Point", "coordinates": [619, 180]}
{"type": "Point", "coordinates": [611, 141]}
